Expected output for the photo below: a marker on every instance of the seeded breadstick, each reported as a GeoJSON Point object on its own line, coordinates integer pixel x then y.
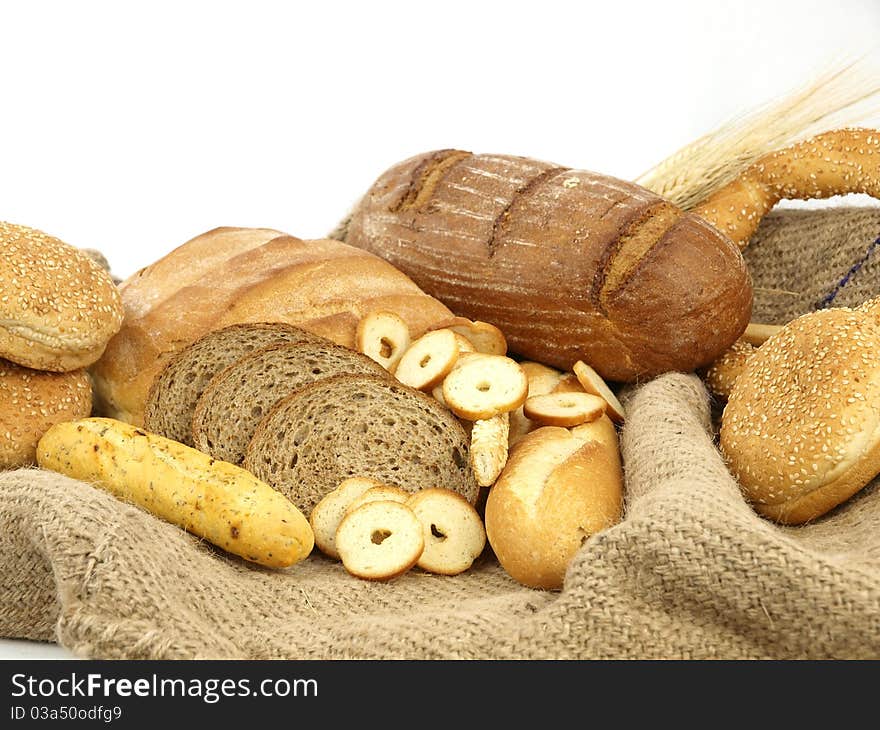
{"type": "Point", "coordinates": [834, 163]}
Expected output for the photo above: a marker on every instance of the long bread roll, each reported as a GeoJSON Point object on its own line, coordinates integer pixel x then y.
{"type": "Point", "coordinates": [218, 501]}
{"type": "Point", "coordinates": [233, 275]}
{"type": "Point", "coordinates": [569, 264]}
{"type": "Point", "coordinates": [560, 486]}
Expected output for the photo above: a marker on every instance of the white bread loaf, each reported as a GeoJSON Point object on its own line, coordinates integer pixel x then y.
{"type": "Point", "coordinates": [233, 275]}
{"type": "Point", "coordinates": [560, 486]}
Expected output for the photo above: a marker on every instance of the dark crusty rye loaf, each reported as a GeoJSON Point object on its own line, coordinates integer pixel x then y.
{"type": "Point", "coordinates": [172, 397]}
{"type": "Point", "coordinates": [569, 264]}
{"type": "Point", "coordinates": [234, 402]}
{"type": "Point", "coordinates": [360, 425]}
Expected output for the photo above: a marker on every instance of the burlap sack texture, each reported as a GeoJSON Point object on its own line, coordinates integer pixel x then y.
{"type": "Point", "coordinates": [690, 572]}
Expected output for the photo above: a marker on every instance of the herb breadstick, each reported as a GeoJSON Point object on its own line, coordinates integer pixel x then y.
{"type": "Point", "coordinates": [225, 504]}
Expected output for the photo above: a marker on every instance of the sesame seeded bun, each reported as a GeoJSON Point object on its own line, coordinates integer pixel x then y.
{"type": "Point", "coordinates": [58, 307]}
{"type": "Point", "coordinates": [722, 374]}
{"type": "Point", "coordinates": [31, 401]}
{"type": "Point", "coordinates": [801, 428]}
{"type": "Point", "coordinates": [872, 307]}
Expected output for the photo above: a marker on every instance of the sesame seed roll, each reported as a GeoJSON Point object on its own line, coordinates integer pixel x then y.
{"type": "Point", "coordinates": [31, 401]}
{"type": "Point", "coordinates": [801, 428]}
{"type": "Point", "coordinates": [58, 307]}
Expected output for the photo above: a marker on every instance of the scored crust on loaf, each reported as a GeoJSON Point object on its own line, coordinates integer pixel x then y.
{"type": "Point", "coordinates": [492, 234]}
{"type": "Point", "coordinates": [172, 398]}
{"type": "Point", "coordinates": [59, 308]}
{"type": "Point", "coordinates": [231, 407]}
{"type": "Point", "coordinates": [31, 401]}
{"type": "Point", "coordinates": [359, 425]}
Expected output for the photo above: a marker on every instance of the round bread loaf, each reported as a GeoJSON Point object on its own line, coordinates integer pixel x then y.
{"type": "Point", "coordinates": [801, 428]}
{"type": "Point", "coordinates": [58, 308]}
{"type": "Point", "coordinates": [31, 402]}
{"type": "Point", "coordinates": [233, 275]}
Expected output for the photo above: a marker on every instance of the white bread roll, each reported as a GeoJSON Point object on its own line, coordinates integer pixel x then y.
{"type": "Point", "coordinates": [234, 275]}
{"type": "Point", "coordinates": [560, 486]}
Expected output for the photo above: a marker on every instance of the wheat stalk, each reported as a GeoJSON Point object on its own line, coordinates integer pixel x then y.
{"type": "Point", "coordinates": [844, 96]}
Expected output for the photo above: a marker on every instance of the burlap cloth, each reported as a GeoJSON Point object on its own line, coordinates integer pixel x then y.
{"type": "Point", "coordinates": [690, 572]}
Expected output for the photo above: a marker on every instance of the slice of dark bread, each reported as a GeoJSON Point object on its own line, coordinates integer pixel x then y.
{"type": "Point", "coordinates": [356, 425]}
{"type": "Point", "coordinates": [172, 397]}
{"type": "Point", "coordinates": [233, 403]}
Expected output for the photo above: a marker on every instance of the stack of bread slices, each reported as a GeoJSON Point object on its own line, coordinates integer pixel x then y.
{"type": "Point", "coordinates": [384, 442]}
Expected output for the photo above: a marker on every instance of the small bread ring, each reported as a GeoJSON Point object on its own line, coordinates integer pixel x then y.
{"type": "Point", "coordinates": [378, 493]}
{"type": "Point", "coordinates": [380, 540]}
{"type": "Point", "coordinates": [428, 360]}
{"type": "Point", "coordinates": [593, 383]}
{"type": "Point", "coordinates": [453, 533]}
{"type": "Point", "coordinates": [485, 337]}
{"type": "Point", "coordinates": [564, 409]}
{"type": "Point", "coordinates": [328, 513]}
{"type": "Point", "coordinates": [484, 386]}
{"type": "Point", "coordinates": [384, 337]}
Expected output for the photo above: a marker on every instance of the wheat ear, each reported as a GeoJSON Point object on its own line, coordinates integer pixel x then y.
{"type": "Point", "coordinates": [848, 94]}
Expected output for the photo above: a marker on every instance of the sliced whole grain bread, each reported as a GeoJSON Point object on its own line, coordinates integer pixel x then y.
{"type": "Point", "coordinates": [233, 403]}
{"type": "Point", "coordinates": [175, 391]}
{"type": "Point", "coordinates": [357, 425]}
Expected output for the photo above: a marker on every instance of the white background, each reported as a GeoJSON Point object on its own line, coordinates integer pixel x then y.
{"type": "Point", "coordinates": [132, 128]}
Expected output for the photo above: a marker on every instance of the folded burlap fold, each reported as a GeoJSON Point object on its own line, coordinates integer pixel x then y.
{"type": "Point", "coordinates": [690, 572]}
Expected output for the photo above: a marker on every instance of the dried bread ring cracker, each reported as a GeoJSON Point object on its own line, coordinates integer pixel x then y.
{"type": "Point", "coordinates": [328, 513]}
{"type": "Point", "coordinates": [593, 383]}
{"type": "Point", "coordinates": [453, 532]}
{"type": "Point", "coordinates": [428, 360]}
{"type": "Point", "coordinates": [380, 540]}
{"type": "Point", "coordinates": [568, 383]}
{"type": "Point", "coordinates": [383, 337]}
{"type": "Point", "coordinates": [378, 493]}
{"type": "Point", "coordinates": [542, 379]}
{"type": "Point", "coordinates": [484, 386]}
{"type": "Point", "coordinates": [564, 409]}
{"type": "Point", "coordinates": [485, 337]}
{"type": "Point", "coordinates": [464, 344]}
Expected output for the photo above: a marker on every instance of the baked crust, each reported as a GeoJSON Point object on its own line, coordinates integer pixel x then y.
{"type": "Point", "coordinates": [233, 275]}
{"type": "Point", "coordinates": [31, 402]}
{"type": "Point", "coordinates": [59, 307]}
{"type": "Point", "coordinates": [801, 428]}
{"type": "Point", "coordinates": [569, 264]}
